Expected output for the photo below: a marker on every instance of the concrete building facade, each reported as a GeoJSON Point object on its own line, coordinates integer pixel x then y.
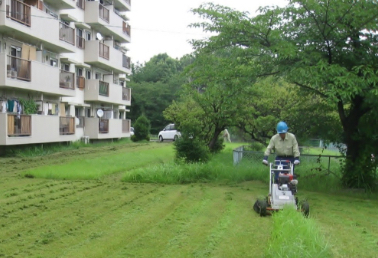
{"type": "Point", "coordinates": [63, 70]}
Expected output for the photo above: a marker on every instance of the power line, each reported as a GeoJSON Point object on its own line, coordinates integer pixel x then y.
{"type": "Point", "coordinates": [114, 26]}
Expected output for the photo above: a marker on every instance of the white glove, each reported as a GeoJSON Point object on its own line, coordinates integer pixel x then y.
{"type": "Point", "coordinates": [296, 162]}
{"type": "Point", "coordinates": [265, 162]}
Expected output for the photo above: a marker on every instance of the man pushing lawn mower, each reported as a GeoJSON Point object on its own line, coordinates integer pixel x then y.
{"type": "Point", "coordinates": [282, 182]}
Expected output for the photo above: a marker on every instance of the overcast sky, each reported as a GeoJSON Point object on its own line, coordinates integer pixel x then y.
{"type": "Point", "coordinates": [162, 26]}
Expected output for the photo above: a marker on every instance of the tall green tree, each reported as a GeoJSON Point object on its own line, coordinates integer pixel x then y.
{"type": "Point", "coordinates": [219, 90]}
{"type": "Point", "coordinates": [155, 85]}
{"type": "Point", "coordinates": [325, 47]}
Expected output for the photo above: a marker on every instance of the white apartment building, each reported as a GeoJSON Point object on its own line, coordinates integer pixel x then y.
{"type": "Point", "coordinates": [63, 70]}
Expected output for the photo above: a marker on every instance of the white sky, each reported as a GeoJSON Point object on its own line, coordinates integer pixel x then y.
{"type": "Point", "coordinates": [162, 26]}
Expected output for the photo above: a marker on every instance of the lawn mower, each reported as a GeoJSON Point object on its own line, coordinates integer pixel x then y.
{"type": "Point", "coordinates": [282, 190]}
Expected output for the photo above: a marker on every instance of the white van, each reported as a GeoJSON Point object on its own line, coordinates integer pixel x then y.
{"type": "Point", "coordinates": [169, 133]}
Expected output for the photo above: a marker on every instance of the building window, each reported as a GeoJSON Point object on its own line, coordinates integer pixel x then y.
{"type": "Point", "coordinates": [54, 62]}
{"type": "Point", "coordinates": [79, 72]}
{"type": "Point", "coordinates": [88, 75]}
{"type": "Point", "coordinates": [66, 67]}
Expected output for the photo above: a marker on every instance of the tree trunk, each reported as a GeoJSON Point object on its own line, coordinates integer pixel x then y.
{"type": "Point", "coordinates": [358, 168]}
{"type": "Point", "coordinates": [213, 142]}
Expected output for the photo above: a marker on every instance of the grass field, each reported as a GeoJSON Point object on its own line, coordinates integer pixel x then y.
{"type": "Point", "coordinates": [64, 209]}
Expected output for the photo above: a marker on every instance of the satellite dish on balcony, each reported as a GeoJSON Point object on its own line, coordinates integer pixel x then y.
{"type": "Point", "coordinates": [99, 36]}
{"type": "Point", "coordinates": [100, 113]}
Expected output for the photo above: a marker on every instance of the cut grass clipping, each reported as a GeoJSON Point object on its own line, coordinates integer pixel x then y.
{"type": "Point", "coordinates": [295, 236]}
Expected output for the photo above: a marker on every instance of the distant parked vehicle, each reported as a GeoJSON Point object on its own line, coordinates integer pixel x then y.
{"type": "Point", "coordinates": [131, 131]}
{"type": "Point", "coordinates": [169, 133]}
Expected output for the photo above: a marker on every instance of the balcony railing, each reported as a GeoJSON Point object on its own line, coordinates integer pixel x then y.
{"type": "Point", "coordinates": [126, 29]}
{"type": "Point", "coordinates": [126, 126]}
{"type": "Point", "coordinates": [104, 89]}
{"type": "Point", "coordinates": [104, 51]}
{"type": "Point", "coordinates": [18, 11]}
{"type": "Point", "coordinates": [104, 13]}
{"type": "Point", "coordinates": [103, 126]}
{"type": "Point", "coordinates": [67, 80]}
{"type": "Point", "coordinates": [126, 62]}
{"type": "Point", "coordinates": [19, 68]}
{"type": "Point", "coordinates": [81, 4]}
{"type": "Point", "coordinates": [67, 34]}
{"type": "Point", "coordinates": [66, 125]}
{"type": "Point", "coordinates": [80, 42]}
{"type": "Point", "coordinates": [126, 94]}
{"type": "Point", "coordinates": [19, 125]}
{"type": "Point", "coordinates": [80, 82]}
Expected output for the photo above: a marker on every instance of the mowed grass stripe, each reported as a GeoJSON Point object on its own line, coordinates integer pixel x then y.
{"type": "Point", "coordinates": [129, 224]}
{"type": "Point", "coordinates": [208, 227]}
{"type": "Point", "coordinates": [170, 232]}
{"type": "Point", "coordinates": [25, 189]}
{"type": "Point", "coordinates": [36, 224]}
{"type": "Point", "coordinates": [106, 164]}
{"type": "Point", "coordinates": [345, 219]}
{"type": "Point", "coordinates": [248, 234]}
{"type": "Point", "coordinates": [76, 222]}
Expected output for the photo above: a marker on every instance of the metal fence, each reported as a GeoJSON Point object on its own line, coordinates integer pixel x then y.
{"type": "Point", "coordinates": [244, 154]}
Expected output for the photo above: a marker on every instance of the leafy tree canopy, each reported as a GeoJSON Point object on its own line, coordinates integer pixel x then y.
{"type": "Point", "coordinates": [154, 86]}
{"type": "Point", "coordinates": [324, 47]}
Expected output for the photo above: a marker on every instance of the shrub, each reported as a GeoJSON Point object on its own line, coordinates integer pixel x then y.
{"type": "Point", "coordinates": [142, 128]}
{"type": "Point", "coordinates": [191, 149]}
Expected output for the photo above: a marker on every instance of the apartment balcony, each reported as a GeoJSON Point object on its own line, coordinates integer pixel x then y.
{"type": "Point", "coordinates": [29, 129]}
{"type": "Point", "coordinates": [122, 5]}
{"type": "Point", "coordinates": [97, 128]}
{"type": "Point", "coordinates": [105, 56]}
{"type": "Point", "coordinates": [67, 34]}
{"type": "Point", "coordinates": [61, 4]}
{"type": "Point", "coordinates": [107, 21]}
{"type": "Point", "coordinates": [32, 25]}
{"type": "Point", "coordinates": [67, 125]}
{"type": "Point", "coordinates": [106, 92]}
{"type": "Point", "coordinates": [21, 74]}
{"type": "Point", "coordinates": [66, 80]}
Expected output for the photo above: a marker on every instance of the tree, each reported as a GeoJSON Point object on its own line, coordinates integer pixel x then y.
{"type": "Point", "coordinates": [154, 86]}
{"type": "Point", "coordinates": [141, 129]}
{"type": "Point", "coordinates": [325, 47]}
{"type": "Point", "coordinates": [219, 92]}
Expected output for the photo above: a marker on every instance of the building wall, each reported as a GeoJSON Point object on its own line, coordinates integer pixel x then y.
{"type": "Point", "coordinates": [45, 85]}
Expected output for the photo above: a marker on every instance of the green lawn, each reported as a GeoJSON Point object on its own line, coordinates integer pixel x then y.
{"type": "Point", "coordinates": [46, 216]}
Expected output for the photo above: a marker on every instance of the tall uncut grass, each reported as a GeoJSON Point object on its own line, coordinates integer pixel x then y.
{"type": "Point", "coordinates": [312, 173]}
{"type": "Point", "coordinates": [219, 169]}
{"type": "Point", "coordinates": [294, 236]}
